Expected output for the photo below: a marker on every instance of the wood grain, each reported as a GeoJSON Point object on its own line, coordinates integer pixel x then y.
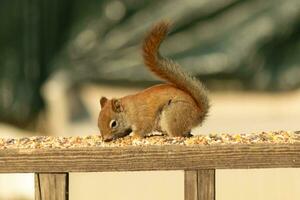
{"type": "Point", "coordinates": [51, 186]}
{"type": "Point", "coordinates": [199, 184]}
{"type": "Point", "coordinates": [206, 184]}
{"type": "Point", "coordinates": [136, 158]}
{"type": "Point", "coordinates": [191, 185]}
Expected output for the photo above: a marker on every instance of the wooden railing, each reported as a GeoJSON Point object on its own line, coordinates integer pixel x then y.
{"type": "Point", "coordinates": [51, 166]}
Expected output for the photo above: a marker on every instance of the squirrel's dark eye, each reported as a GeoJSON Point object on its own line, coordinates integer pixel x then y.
{"type": "Point", "coordinates": [113, 123]}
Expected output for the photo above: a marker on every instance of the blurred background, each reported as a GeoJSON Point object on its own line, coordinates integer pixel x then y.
{"type": "Point", "coordinates": [57, 58]}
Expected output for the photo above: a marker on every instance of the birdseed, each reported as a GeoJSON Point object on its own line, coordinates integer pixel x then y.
{"type": "Point", "coordinates": [49, 142]}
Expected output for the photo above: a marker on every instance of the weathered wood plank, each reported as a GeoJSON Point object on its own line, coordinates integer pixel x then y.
{"type": "Point", "coordinates": [51, 186]}
{"type": "Point", "coordinates": [136, 158]}
{"type": "Point", "coordinates": [191, 185]}
{"type": "Point", "coordinates": [206, 184]}
{"type": "Point", "coordinates": [199, 184]}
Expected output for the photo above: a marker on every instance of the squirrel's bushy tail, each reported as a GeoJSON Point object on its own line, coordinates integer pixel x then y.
{"type": "Point", "coordinates": [169, 70]}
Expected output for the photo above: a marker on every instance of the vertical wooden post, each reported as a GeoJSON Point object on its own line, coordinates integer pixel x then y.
{"type": "Point", "coordinates": [190, 185]}
{"type": "Point", "coordinates": [199, 184]}
{"type": "Point", "coordinates": [51, 186]}
{"type": "Point", "coordinates": [206, 184]}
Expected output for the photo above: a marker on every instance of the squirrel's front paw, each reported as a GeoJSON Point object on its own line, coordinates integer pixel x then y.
{"type": "Point", "coordinates": [155, 133]}
{"type": "Point", "coordinates": [135, 135]}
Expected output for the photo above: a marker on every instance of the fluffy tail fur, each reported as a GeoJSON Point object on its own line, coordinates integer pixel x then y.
{"type": "Point", "coordinates": [169, 70]}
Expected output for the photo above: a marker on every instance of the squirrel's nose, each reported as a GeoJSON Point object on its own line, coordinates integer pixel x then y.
{"type": "Point", "coordinates": [107, 139]}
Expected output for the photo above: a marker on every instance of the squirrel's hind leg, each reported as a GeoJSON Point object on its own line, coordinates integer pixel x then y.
{"type": "Point", "coordinates": [178, 118]}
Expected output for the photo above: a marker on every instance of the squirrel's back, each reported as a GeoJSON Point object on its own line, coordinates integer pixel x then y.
{"type": "Point", "coordinates": [171, 71]}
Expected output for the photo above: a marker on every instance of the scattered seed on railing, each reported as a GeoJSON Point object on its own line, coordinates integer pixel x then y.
{"type": "Point", "coordinates": [40, 142]}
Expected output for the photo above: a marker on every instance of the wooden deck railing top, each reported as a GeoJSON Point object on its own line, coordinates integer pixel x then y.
{"type": "Point", "coordinates": [90, 153]}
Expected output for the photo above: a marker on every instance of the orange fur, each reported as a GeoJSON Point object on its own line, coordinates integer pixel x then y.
{"type": "Point", "coordinates": [174, 108]}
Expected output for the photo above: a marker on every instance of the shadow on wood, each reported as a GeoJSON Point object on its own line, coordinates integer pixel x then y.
{"type": "Point", "coordinates": [51, 186]}
{"type": "Point", "coordinates": [199, 184]}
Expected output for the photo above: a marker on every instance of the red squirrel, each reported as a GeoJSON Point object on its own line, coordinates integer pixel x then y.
{"type": "Point", "coordinates": [173, 108]}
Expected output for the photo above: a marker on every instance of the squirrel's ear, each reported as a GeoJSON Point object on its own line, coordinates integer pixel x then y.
{"type": "Point", "coordinates": [103, 101]}
{"type": "Point", "coordinates": [116, 105]}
